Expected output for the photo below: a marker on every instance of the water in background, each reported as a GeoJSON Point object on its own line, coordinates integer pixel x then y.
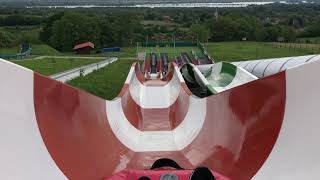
{"type": "Point", "coordinates": [177, 5]}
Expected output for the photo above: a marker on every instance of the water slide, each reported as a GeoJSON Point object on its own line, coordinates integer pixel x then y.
{"type": "Point", "coordinates": [153, 63]}
{"type": "Point", "coordinates": [179, 61]}
{"type": "Point", "coordinates": [185, 57]}
{"type": "Point", "coordinates": [215, 77]}
{"type": "Point", "coordinates": [204, 60]}
{"type": "Point", "coordinates": [265, 129]}
{"type": "Point", "coordinates": [25, 50]}
{"type": "Point", "coordinates": [165, 62]}
{"type": "Point", "coordinates": [146, 65]}
{"type": "Point", "coordinates": [266, 67]}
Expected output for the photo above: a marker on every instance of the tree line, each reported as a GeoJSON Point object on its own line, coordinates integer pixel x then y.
{"type": "Point", "coordinates": [20, 20]}
{"type": "Point", "coordinates": [64, 30]}
{"type": "Point", "coordinates": [227, 28]}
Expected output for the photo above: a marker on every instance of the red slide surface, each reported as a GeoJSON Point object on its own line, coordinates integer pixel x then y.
{"type": "Point", "coordinates": [59, 132]}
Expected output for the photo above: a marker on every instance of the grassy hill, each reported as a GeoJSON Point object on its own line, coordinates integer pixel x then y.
{"type": "Point", "coordinates": [50, 66]}
{"type": "Point", "coordinates": [240, 51]}
{"type": "Point", "coordinates": [105, 82]}
{"type": "Point", "coordinates": [43, 49]}
{"type": "Point", "coordinates": [37, 49]}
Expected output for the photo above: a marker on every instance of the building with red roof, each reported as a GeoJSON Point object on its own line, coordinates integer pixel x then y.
{"type": "Point", "coordinates": [166, 18]}
{"type": "Point", "coordinates": [84, 48]}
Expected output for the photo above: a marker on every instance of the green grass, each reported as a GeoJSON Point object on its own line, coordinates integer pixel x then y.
{"type": "Point", "coordinates": [43, 49]}
{"type": "Point", "coordinates": [105, 82]}
{"type": "Point", "coordinates": [240, 51]}
{"type": "Point", "coordinates": [13, 50]}
{"type": "Point", "coordinates": [37, 49]}
{"type": "Point", "coordinates": [50, 66]}
{"type": "Point", "coordinates": [126, 52]}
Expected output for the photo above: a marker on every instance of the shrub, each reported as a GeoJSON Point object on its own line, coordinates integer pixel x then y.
{"type": "Point", "coordinates": [6, 39]}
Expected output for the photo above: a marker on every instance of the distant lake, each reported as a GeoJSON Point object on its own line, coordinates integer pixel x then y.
{"type": "Point", "coordinates": [174, 5]}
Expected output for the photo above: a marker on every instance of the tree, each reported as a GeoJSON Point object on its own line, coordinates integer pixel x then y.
{"type": "Point", "coordinates": [246, 28]}
{"type": "Point", "coordinates": [22, 20]}
{"type": "Point", "coordinates": [260, 34]}
{"type": "Point", "coordinates": [163, 29]}
{"type": "Point", "coordinates": [200, 32]}
{"type": "Point", "coordinates": [46, 32]}
{"type": "Point", "coordinates": [107, 35]}
{"type": "Point", "coordinates": [273, 33]}
{"type": "Point", "coordinates": [74, 28]}
{"type": "Point", "coordinates": [311, 31]}
{"type": "Point", "coordinates": [288, 33]}
{"type": "Point", "coordinates": [223, 29]}
{"type": "Point", "coordinates": [6, 39]}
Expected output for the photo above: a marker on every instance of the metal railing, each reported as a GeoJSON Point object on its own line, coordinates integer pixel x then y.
{"type": "Point", "coordinates": [81, 71]}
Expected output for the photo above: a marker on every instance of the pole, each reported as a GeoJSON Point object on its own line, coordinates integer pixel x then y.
{"type": "Point", "coordinates": [147, 40]}
{"type": "Point", "coordinates": [171, 38]}
{"type": "Point", "coordinates": [138, 50]}
{"type": "Point", "coordinates": [174, 45]}
{"type": "Point", "coordinates": [197, 38]}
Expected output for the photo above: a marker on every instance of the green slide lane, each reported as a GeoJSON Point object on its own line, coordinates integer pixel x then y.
{"type": "Point", "coordinates": [221, 74]}
{"type": "Point", "coordinates": [215, 78]}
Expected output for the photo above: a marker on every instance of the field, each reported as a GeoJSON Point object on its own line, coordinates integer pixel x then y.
{"type": "Point", "coordinates": [49, 66]}
{"type": "Point", "coordinates": [105, 82]}
{"type": "Point", "coordinates": [131, 52]}
{"type": "Point", "coordinates": [43, 49]}
{"type": "Point", "coordinates": [13, 50]}
{"type": "Point", "coordinates": [314, 40]}
{"type": "Point", "coordinates": [240, 51]}
{"type": "Point", "coordinates": [37, 49]}
{"type": "Point", "coordinates": [126, 52]}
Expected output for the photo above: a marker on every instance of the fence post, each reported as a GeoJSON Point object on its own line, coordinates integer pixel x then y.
{"type": "Point", "coordinates": [289, 46]}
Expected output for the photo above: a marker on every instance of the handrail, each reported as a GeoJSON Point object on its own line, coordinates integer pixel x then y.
{"type": "Point", "coordinates": [83, 70]}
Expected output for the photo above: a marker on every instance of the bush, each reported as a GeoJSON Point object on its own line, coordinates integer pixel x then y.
{"type": "Point", "coordinates": [6, 39]}
{"type": "Point", "coordinates": [21, 20]}
{"type": "Point", "coordinates": [68, 29]}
